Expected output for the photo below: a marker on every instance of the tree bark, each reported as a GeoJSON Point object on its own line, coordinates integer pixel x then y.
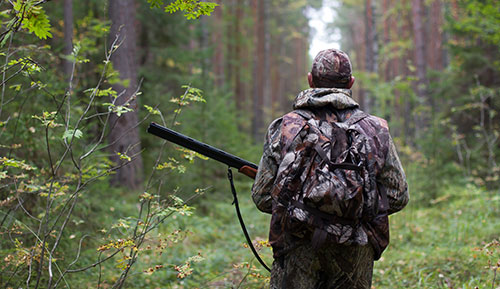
{"type": "Point", "coordinates": [68, 37]}
{"type": "Point", "coordinates": [238, 32]}
{"type": "Point", "coordinates": [394, 34]}
{"type": "Point", "coordinates": [436, 58]}
{"type": "Point", "coordinates": [124, 135]}
{"type": "Point", "coordinates": [217, 40]}
{"type": "Point", "coordinates": [420, 62]}
{"type": "Point", "coordinates": [266, 71]}
{"type": "Point", "coordinates": [357, 30]}
{"type": "Point", "coordinates": [371, 48]}
{"type": "Point", "coordinates": [387, 39]}
{"type": "Point", "coordinates": [405, 30]}
{"type": "Point", "coordinates": [258, 69]}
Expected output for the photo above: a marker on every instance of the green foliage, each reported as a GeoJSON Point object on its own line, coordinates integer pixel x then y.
{"type": "Point", "coordinates": [193, 9]}
{"type": "Point", "coordinates": [70, 133]}
{"type": "Point", "coordinates": [459, 142]}
{"type": "Point", "coordinates": [33, 18]}
{"type": "Point", "coordinates": [457, 252]}
{"type": "Point", "coordinates": [54, 170]}
{"type": "Point", "coordinates": [54, 154]}
{"type": "Point", "coordinates": [479, 21]}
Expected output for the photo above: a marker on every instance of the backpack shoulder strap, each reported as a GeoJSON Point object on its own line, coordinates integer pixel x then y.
{"type": "Point", "coordinates": [306, 114]}
{"type": "Point", "coordinates": [292, 123]}
{"type": "Point", "coordinates": [357, 116]}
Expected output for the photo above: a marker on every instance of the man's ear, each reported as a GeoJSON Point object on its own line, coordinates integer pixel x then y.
{"type": "Point", "coordinates": [310, 80]}
{"type": "Point", "coordinates": [351, 82]}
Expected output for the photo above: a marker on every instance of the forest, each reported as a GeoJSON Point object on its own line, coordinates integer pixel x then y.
{"type": "Point", "coordinates": [89, 199]}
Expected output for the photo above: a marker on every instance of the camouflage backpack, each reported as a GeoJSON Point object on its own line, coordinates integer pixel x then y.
{"type": "Point", "coordinates": [323, 184]}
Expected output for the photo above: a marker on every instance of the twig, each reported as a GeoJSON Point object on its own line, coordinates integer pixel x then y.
{"type": "Point", "coordinates": [18, 118]}
{"type": "Point", "coordinates": [100, 271]}
{"type": "Point", "coordinates": [494, 277]}
{"type": "Point", "coordinates": [10, 277]}
{"type": "Point", "coordinates": [162, 149]}
{"type": "Point", "coordinates": [74, 261]}
{"type": "Point", "coordinates": [95, 264]}
{"type": "Point", "coordinates": [4, 71]}
{"type": "Point", "coordinates": [246, 275]}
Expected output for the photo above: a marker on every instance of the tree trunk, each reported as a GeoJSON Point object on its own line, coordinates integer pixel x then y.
{"type": "Point", "coordinates": [238, 31]}
{"type": "Point", "coordinates": [68, 37]}
{"type": "Point", "coordinates": [420, 62]}
{"type": "Point", "coordinates": [395, 34]}
{"type": "Point", "coordinates": [406, 32]}
{"type": "Point", "coordinates": [371, 49]}
{"type": "Point", "coordinates": [258, 69]}
{"type": "Point", "coordinates": [357, 30]}
{"type": "Point", "coordinates": [124, 135]}
{"type": "Point", "coordinates": [266, 72]}
{"type": "Point", "coordinates": [387, 39]}
{"type": "Point", "coordinates": [436, 59]}
{"type": "Point", "coordinates": [229, 21]}
{"type": "Point", "coordinates": [217, 40]}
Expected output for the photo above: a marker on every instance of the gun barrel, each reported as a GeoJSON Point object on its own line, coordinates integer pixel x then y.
{"type": "Point", "coordinates": [199, 147]}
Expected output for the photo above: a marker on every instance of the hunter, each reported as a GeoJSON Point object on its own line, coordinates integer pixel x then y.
{"type": "Point", "coordinates": [334, 254]}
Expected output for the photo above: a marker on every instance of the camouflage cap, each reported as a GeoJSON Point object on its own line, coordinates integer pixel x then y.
{"type": "Point", "coordinates": [331, 68]}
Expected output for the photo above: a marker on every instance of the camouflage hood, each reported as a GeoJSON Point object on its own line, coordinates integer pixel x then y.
{"type": "Point", "coordinates": [316, 97]}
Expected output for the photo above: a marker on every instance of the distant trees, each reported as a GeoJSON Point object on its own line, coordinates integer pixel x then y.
{"type": "Point", "coordinates": [437, 82]}
{"type": "Point", "coordinates": [265, 56]}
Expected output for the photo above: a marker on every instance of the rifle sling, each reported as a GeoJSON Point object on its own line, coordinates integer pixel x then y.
{"type": "Point", "coordinates": [240, 218]}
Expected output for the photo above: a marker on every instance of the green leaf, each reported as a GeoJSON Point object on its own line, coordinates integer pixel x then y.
{"type": "Point", "coordinates": [34, 18]}
{"type": "Point", "coordinates": [155, 3]}
{"type": "Point", "coordinates": [152, 110]}
{"type": "Point", "coordinates": [15, 164]}
{"type": "Point", "coordinates": [124, 157]}
{"type": "Point", "coordinates": [16, 87]}
{"type": "Point", "coordinates": [193, 9]}
{"type": "Point", "coordinates": [70, 133]}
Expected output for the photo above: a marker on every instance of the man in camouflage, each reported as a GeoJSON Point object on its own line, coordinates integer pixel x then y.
{"type": "Point", "coordinates": [299, 264]}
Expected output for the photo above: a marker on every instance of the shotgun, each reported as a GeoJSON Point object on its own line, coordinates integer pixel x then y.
{"type": "Point", "coordinates": [245, 167]}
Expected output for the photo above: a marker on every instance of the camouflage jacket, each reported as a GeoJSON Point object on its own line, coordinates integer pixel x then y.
{"type": "Point", "coordinates": [385, 165]}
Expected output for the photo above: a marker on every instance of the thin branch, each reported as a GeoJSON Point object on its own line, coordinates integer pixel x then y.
{"type": "Point", "coordinates": [95, 264]}
{"type": "Point", "coordinates": [19, 112]}
{"type": "Point", "coordinates": [100, 271]}
{"type": "Point", "coordinates": [58, 239]}
{"type": "Point", "coordinates": [74, 261]}
{"type": "Point", "coordinates": [10, 277]}
{"type": "Point", "coordinates": [43, 249]}
{"type": "Point", "coordinates": [4, 72]}
{"type": "Point", "coordinates": [20, 201]}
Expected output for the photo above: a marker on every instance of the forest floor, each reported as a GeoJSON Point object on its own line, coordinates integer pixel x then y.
{"type": "Point", "coordinates": [448, 243]}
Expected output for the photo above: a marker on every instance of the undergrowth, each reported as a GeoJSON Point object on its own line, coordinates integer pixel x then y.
{"type": "Point", "coordinates": [448, 243]}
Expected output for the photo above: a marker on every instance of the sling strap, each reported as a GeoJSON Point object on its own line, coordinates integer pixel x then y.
{"type": "Point", "coordinates": [240, 218]}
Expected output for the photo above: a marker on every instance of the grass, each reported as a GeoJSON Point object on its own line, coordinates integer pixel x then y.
{"type": "Point", "coordinates": [437, 245]}
{"type": "Point", "coordinates": [441, 243]}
